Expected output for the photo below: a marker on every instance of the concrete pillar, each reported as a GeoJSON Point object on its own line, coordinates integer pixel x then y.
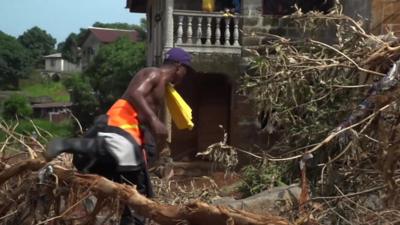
{"type": "Point", "coordinates": [149, 28]}
{"type": "Point", "coordinates": [62, 65]}
{"type": "Point", "coordinates": [169, 43]}
{"type": "Point", "coordinates": [169, 24]}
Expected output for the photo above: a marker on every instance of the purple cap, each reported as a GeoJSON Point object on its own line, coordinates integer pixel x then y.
{"type": "Point", "coordinates": [179, 55]}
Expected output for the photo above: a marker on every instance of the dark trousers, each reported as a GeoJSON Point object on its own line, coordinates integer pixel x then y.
{"type": "Point", "coordinates": [137, 178]}
{"type": "Point", "coordinates": [105, 166]}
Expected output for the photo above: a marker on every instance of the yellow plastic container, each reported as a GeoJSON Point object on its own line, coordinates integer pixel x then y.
{"type": "Point", "coordinates": [209, 5]}
{"type": "Point", "coordinates": [180, 111]}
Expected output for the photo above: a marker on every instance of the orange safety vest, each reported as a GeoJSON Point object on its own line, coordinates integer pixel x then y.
{"type": "Point", "coordinates": [123, 115]}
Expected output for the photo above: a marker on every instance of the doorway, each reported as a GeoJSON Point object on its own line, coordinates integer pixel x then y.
{"type": "Point", "coordinates": [209, 96]}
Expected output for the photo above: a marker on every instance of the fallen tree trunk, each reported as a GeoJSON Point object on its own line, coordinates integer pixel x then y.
{"type": "Point", "coordinates": [195, 213]}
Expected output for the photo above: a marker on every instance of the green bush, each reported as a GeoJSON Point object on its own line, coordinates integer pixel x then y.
{"type": "Point", "coordinates": [47, 129]}
{"type": "Point", "coordinates": [113, 68]}
{"type": "Point", "coordinates": [55, 90]}
{"type": "Point", "coordinates": [17, 106]}
{"type": "Point", "coordinates": [85, 104]}
{"type": "Point", "coordinates": [63, 129]}
{"type": "Point", "coordinates": [257, 179]}
{"type": "Point", "coordinates": [15, 62]}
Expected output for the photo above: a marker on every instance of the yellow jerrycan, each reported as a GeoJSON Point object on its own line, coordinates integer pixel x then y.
{"type": "Point", "coordinates": [209, 5]}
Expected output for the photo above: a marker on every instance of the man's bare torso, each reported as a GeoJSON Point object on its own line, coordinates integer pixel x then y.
{"type": "Point", "coordinates": [155, 96]}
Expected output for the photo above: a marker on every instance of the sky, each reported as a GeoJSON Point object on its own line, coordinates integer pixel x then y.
{"type": "Point", "coordinates": [61, 17]}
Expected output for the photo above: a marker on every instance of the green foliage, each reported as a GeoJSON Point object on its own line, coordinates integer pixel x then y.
{"type": "Point", "coordinates": [56, 90]}
{"type": "Point", "coordinates": [108, 74]}
{"type": "Point", "coordinates": [62, 129]}
{"type": "Point", "coordinates": [85, 104]}
{"type": "Point", "coordinates": [14, 62]}
{"type": "Point", "coordinates": [46, 128]}
{"type": "Point", "coordinates": [124, 26]}
{"type": "Point", "coordinates": [257, 179]}
{"type": "Point", "coordinates": [16, 106]}
{"type": "Point", "coordinates": [39, 43]}
{"type": "Point", "coordinates": [70, 47]}
{"type": "Point", "coordinates": [113, 68]}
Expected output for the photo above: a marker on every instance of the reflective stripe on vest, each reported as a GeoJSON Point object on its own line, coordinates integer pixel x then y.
{"type": "Point", "coordinates": [129, 126]}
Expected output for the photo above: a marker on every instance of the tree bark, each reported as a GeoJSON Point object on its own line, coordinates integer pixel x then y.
{"type": "Point", "coordinates": [194, 213]}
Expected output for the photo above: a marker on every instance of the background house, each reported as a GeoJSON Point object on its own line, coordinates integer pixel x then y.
{"type": "Point", "coordinates": [53, 111]}
{"type": "Point", "coordinates": [96, 37]}
{"type": "Point", "coordinates": [218, 44]}
{"type": "Point", "coordinates": [55, 64]}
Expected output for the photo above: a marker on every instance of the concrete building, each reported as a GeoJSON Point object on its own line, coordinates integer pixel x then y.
{"type": "Point", "coordinates": [55, 64]}
{"type": "Point", "coordinates": [53, 111]}
{"type": "Point", "coordinates": [96, 37]}
{"type": "Point", "coordinates": [218, 45]}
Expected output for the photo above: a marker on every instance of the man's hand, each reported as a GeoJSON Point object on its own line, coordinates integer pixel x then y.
{"type": "Point", "coordinates": [159, 129]}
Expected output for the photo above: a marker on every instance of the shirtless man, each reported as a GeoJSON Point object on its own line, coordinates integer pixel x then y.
{"type": "Point", "coordinates": [147, 89]}
{"type": "Point", "coordinates": [119, 143]}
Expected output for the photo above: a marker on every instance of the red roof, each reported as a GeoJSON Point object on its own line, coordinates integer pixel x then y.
{"type": "Point", "coordinates": [106, 35]}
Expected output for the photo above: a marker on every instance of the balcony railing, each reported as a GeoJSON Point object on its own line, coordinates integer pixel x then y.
{"type": "Point", "coordinates": [206, 32]}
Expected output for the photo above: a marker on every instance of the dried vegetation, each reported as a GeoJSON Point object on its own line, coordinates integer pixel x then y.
{"type": "Point", "coordinates": [335, 99]}
{"type": "Point", "coordinates": [333, 92]}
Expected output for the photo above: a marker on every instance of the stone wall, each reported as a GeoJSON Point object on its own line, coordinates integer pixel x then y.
{"type": "Point", "coordinates": [358, 9]}
{"type": "Point", "coordinates": [244, 129]}
{"type": "Point", "coordinates": [384, 16]}
{"type": "Point", "coordinates": [217, 63]}
{"type": "Point", "coordinates": [256, 26]}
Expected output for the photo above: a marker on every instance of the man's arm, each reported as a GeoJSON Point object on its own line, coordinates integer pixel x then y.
{"type": "Point", "coordinates": [145, 111]}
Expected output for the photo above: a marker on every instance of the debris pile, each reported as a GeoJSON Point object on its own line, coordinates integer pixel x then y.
{"type": "Point", "coordinates": [330, 105]}
{"type": "Point", "coordinates": [335, 101]}
{"type": "Point", "coordinates": [33, 191]}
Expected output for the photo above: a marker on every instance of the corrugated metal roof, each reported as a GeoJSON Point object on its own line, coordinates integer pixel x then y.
{"type": "Point", "coordinates": [56, 55]}
{"type": "Point", "coordinates": [52, 105]}
{"type": "Point", "coordinates": [106, 35]}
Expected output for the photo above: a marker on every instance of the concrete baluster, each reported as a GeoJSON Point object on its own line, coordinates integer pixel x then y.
{"type": "Point", "coordinates": [180, 30]}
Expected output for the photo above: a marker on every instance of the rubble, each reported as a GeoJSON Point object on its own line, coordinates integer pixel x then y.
{"type": "Point", "coordinates": [275, 200]}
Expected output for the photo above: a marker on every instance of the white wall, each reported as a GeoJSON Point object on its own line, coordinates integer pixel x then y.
{"type": "Point", "coordinates": [53, 64]}
{"type": "Point", "coordinates": [60, 65]}
{"type": "Point", "coordinates": [70, 67]}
